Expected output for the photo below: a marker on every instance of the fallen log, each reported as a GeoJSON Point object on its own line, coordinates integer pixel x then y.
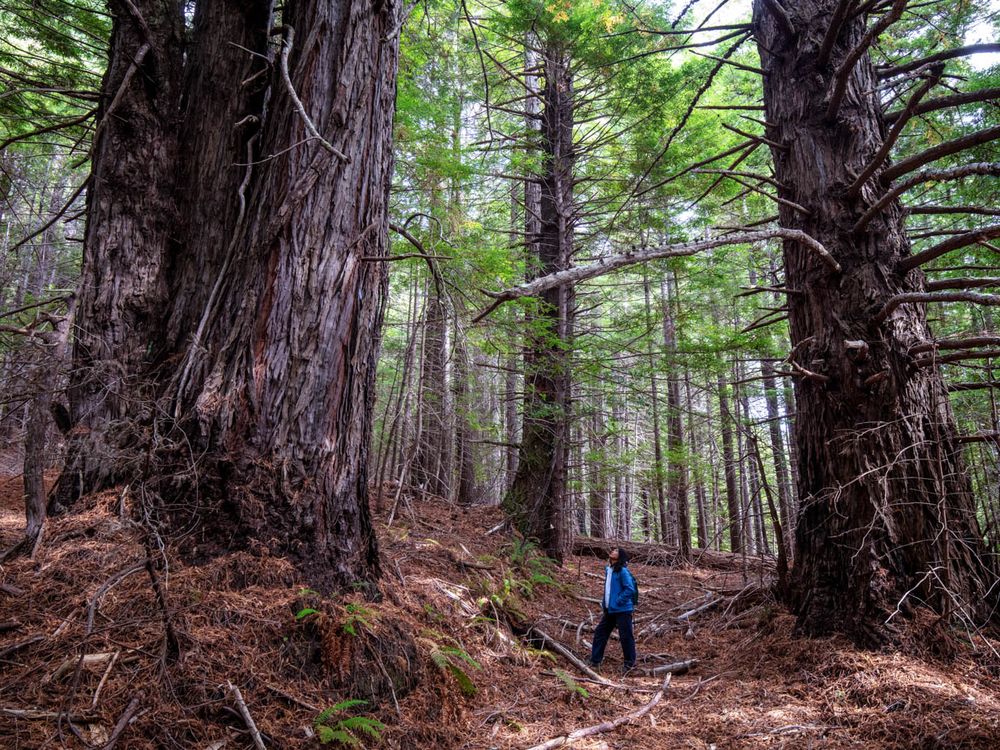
{"type": "Point", "coordinates": [666, 556]}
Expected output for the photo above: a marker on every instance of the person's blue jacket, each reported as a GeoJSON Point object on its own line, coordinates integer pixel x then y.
{"type": "Point", "coordinates": [621, 595]}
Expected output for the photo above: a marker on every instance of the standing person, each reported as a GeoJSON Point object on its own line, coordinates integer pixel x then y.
{"type": "Point", "coordinates": [618, 603]}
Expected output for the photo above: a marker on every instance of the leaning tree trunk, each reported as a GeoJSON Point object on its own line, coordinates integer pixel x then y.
{"type": "Point", "coordinates": [537, 500]}
{"type": "Point", "coordinates": [887, 511]}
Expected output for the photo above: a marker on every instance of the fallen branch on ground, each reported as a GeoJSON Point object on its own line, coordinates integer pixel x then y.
{"type": "Point", "coordinates": [569, 656]}
{"type": "Point", "coordinates": [247, 718]}
{"type": "Point", "coordinates": [608, 725]}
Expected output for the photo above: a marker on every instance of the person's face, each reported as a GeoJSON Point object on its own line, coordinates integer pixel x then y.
{"type": "Point", "coordinates": [613, 557]}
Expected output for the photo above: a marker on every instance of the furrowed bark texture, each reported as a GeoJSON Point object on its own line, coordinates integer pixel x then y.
{"type": "Point", "coordinates": [537, 500]}
{"type": "Point", "coordinates": [130, 217]}
{"type": "Point", "coordinates": [261, 348]}
{"type": "Point", "coordinates": [287, 401]}
{"type": "Point", "coordinates": [885, 503]}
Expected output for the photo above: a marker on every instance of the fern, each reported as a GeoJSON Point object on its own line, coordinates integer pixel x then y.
{"type": "Point", "coordinates": [448, 658]}
{"type": "Point", "coordinates": [345, 731]}
{"type": "Point", "coordinates": [575, 689]}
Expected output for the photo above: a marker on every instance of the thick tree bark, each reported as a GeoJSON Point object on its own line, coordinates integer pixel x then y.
{"type": "Point", "coordinates": [537, 500]}
{"type": "Point", "coordinates": [268, 372]}
{"type": "Point", "coordinates": [131, 217]}
{"type": "Point", "coordinates": [887, 512]}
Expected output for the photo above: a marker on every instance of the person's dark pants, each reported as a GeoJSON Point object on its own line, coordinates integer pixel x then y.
{"type": "Point", "coordinates": [623, 620]}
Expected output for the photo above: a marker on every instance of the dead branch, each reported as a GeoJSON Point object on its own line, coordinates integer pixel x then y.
{"type": "Point", "coordinates": [122, 723]}
{"type": "Point", "coordinates": [38, 714]}
{"type": "Point", "coordinates": [935, 359]}
{"type": "Point", "coordinates": [952, 243]}
{"type": "Point", "coordinates": [944, 102]}
{"type": "Point", "coordinates": [897, 128]}
{"type": "Point", "coordinates": [607, 265]}
{"type": "Point", "coordinates": [926, 209]}
{"type": "Point", "coordinates": [567, 654]}
{"type": "Point", "coordinates": [962, 283]}
{"type": "Point", "coordinates": [247, 718]}
{"type": "Point", "coordinates": [832, 32]}
{"type": "Point", "coordinates": [925, 297]}
{"type": "Point", "coordinates": [890, 71]}
{"type": "Point", "coordinates": [968, 342]}
{"type": "Point", "coordinates": [962, 387]}
{"type": "Point", "coordinates": [286, 49]}
{"type": "Point", "coordinates": [843, 74]}
{"type": "Point", "coordinates": [929, 175]}
{"type": "Point", "coordinates": [679, 667]}
{"type": "Point", "coordinates": [608, 725]}
{"type": "Point", "coordinates": [942, 149]}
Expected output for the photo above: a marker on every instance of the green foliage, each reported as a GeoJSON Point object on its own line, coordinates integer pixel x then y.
{"type": "Point", "coordinates": [572, 686]}
{"type": "Point", "coordinates": [448, 655]}
{"type": "Point", "coordinates": [349, 731]}
{"type": "Point", "coordinates": [358, 617]}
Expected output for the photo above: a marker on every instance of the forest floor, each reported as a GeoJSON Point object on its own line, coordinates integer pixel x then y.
{"type": "Point", "coordinates": [84, 661]}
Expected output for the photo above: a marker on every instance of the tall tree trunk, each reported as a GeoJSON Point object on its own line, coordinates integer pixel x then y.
{"type": "Point", "coordinates": [774, 418]}
{"type": "Point", "coordinates": [429, 470]}
{"type": "Point", "coordinates": [131, 217]}
{"type": "Point", "coordinates": [887, 511]}
{"type": "Point", "coordinates": [677, 475]}
{"type": "Point", "coordinates": [735, 517]}
{"type": "Point", "coordinates": [274, 386]}
{"type": "Point", "coordinates": [659, 470]}
{"type": "Point", "coordinates": [537, 500]}
{"type": "Point", "coordinates": [598, 477]}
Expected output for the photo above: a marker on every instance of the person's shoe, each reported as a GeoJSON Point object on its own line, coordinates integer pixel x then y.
{"type": "Point", "coordinates": [627, 671]}
{"type": "Point", "coordinates": [596, 667]}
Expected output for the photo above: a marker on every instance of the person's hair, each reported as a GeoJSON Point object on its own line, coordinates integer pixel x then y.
{"type": "Point", "coordinates": [622, 559]}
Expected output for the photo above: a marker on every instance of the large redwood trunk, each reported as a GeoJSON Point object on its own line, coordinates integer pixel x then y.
{"type": "Point", "coordinates": [537, 500]}
{"type": "Point", "coordinates": [130, 218]}
{"type": "Point", "coordinates": [262, 364]}
{"type": "Point", "coordinates": [887, 515]}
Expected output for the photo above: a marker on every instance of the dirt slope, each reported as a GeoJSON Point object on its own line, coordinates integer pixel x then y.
{"type": "Point", "coordinates": [455, 591]}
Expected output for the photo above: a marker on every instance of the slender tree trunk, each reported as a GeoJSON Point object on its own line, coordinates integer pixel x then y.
{"type": "Point", "coordinates": [659, 469]}
{"type": "Point", "coordinates": [538, 500]}
{"type": "Point", "coordinates": [598, 482]}
{"type": "Point", "coordinates": [735, 517]}
{"type": "Point", "coordinates": [677, 475]}
{"type": "Point", "coordinates": [887, 512]}
{"type": "Point", "coordinates": [429, 471]}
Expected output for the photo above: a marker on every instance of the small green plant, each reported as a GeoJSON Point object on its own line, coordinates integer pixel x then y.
{"type": "Point", "coordinates": [358, 617]}
{"type": "Point", "coordinates": [451, 659]}
{"type": "Point", "coordinates": [346, 730]}
{"type": "Point", "coordinates": [574, 687]}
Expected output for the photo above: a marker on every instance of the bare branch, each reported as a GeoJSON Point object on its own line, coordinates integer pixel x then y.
{"type": "Point", "coordinates": [943, 102]}
{"type": "Point", "coordinates": [948, 54]}
{"type": "Point", "coordinates": [952, 243]}
{"type": "Point", "coordinates": [607, 265]}
{"type": "Point", "coordinates": [959, 356]}
{"type": "Point", "coordinates": [967, 342]}
{"type": "Point", "coordinates": [942, 149]}
{"type": "Point", "coordinates": [962, 283]}
{"type": "Point", "coordinates": [930, 175]}
{"type": "Point", "coordinates": [925, 297]}
{"type": "Point", "coordinates": [927, 209]}
{"type": "Point", "coordinates": [843, 74]}
{"type": "Point", "coordinates": [832, 32]}
{"type": "Point", "coordinates": [286, 49]}
{"type": "Point", "coordinates": [897, 128]}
